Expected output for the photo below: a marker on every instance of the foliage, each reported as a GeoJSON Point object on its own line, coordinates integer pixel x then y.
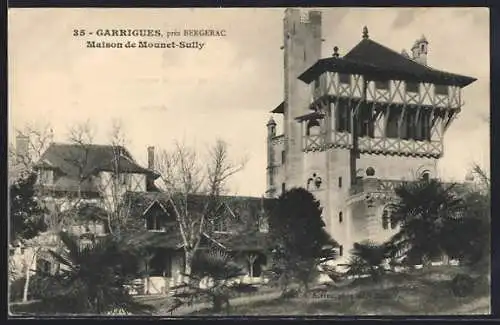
{"type": "Point", "coordinates": [26, 215]}
{"type": "Point", "coordinates": [368, 258]}
{"type": "Point", "coordinates": [301, 242]}
{"type": "Point", "coordinates": [476, 230]}
{"type": "Point", "coordinates": [92, 278]}
{"type": "Point", "coordinates": [462, 285]}
{"type": "Point", "coordinates": [219, 271]}
{"type": "Point", "coordinates": [37, 287]}
{"type": "Point", "coordinates": [428, 213]}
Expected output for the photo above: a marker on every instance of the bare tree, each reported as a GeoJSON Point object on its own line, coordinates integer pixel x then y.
{"type": "Point", "coordinates": [110, 179]}
{"type": "Point", "coordinates": [185, 174]}
{"type": "Point", "coordinates": [21, 162]}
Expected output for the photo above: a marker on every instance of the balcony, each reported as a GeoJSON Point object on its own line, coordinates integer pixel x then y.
{"type": "Point", "coordinates": [374, 185]}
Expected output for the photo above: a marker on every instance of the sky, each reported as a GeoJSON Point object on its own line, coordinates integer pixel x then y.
{"type": "Point", "coordinates": [226, 90]}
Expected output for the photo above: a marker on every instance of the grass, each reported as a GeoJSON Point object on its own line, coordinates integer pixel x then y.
{"type": "Point", "coordinates": [421, 292]}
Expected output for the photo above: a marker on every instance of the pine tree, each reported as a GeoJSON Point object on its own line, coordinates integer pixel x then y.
{"type": "Point", "coordinates": [26, 215]}
{"type": "Point", "coordinates": [300, 239]}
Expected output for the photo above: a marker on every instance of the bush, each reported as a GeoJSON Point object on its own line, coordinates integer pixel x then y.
{"type": "Point", "coordinates": [290, 293]}
{"type": "Point", "coordinates": [36, 289]}
{"type": "Point", "coordinates": [462, 285]}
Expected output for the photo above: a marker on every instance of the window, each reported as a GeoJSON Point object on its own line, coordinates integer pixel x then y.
{"type": "Point", "coordinates": [220, 226]}
{"type": "Point", "coordinates": [271, 177]}
{"type": "Point", "coordinates": [43, 266]}
{"type": "Point", "coordinates": [441, 90]}
{"type": "Point", "coordinates": [340, 181]}
{"type": "Point", "coordinates": [392, 130]}
{"type": "Point", "coordinates": [343, 117]}
{"type": "Point", "coordinates": [154, 222]}
{"type": "Point", "coordinates": [340, 217]}
{"type": "Point", "coordinates": [412, 87]}
{"type": "Point", "coordinates": [393, 222]}
{"type": "Point", "coordinates": [424, 126]}
{"type": "Point", "coordinates": [426, 176]}
{"type": "Point", "coordinates": [341, 250]}
{"type": "Point", "coordinates": [283, 187]}
{"type": "Point", "coordinates": [283, 157]}
{"type": "Point", "coordinates": [344, 78]}
{"type": "Point", "coordinates": [411, 125]}
{"type": "Point", "coordinates": [161, 264]}
{"type": "Point", "coordinates": [46, 177]}
{"type": "Point", "coordinates": [385, 219]}
{"type": "Point", "coordinates": [365, 122]}
{"type": "Point", "coordinates": [382, 84]}
{"type": "Point", "coordinates": [263, 225]}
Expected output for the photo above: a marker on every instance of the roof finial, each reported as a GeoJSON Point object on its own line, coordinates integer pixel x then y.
{"type": "Point", "coordinates": [365, 32]}
{"type": "Point", "coordinates": [335, 52]}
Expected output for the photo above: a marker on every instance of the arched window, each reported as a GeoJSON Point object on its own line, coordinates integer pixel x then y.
{"type": "Point", "coordinates": [340, 217]}
{"type": "Point", "coordinates": [425, 176]}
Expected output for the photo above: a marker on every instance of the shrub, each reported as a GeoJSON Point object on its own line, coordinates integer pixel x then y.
{"type": "Point", "coordinates": [462, 285]}
{"type": "Point", "coordinates": [37, 287]}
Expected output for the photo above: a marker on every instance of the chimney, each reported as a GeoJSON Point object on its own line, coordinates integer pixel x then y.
{"type": "Point", "coordinates": [22, 146]}
{"type": "Point", "coordinates": [150, 182]}
{"type": "Point", "coordinates": [151, 158]}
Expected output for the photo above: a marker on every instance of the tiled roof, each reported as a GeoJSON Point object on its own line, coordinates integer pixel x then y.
{"type": "Point", "coordinates": [376, 61]}
{"type": "Point", "coordinates": [71, 159]}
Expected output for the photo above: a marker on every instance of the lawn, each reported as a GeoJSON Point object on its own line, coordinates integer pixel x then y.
{"type": "Point", "coordinates": [421, 292]}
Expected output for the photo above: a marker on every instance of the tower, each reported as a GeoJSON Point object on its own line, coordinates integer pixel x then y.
{"type": "Point", "coordinates": [419, 50]}
{"type": "Point", "coordinates": [356, 126]}
{"type": "Point", "coordinates": [271, 133]}
{"type": "Point", "coordinates": [302, 48]}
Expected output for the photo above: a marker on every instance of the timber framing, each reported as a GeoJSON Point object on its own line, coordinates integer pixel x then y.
{"type": "Point", "coordinates": [422, 115]}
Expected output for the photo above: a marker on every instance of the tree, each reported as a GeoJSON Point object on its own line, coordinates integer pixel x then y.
{"type": "Point", "coordinates": [185, 174]}
{"type": "Point", "coordinates": [218, 270]}
{"type": "Point", "coordinates": [427, 212]}
{"type": "Point", "coordinates": [112, 209]}
{"type": "Point", "coordinates": [22, 160]}
{"type": "Point", "coordinates": [26, 214]}
{"type": "Point", "coordinates": [26, 223]}
{"type": "Point", "coordinates": [93, 278]}
{"type": "Point", "coordinates": [367, 258]}
{"type": "Point", "coordinates": [475, 229]}
{"type": "Point", "coordinates": [301, 241]}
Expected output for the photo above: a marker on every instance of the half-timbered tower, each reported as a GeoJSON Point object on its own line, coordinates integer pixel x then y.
{"type": "Point", "coordinates": [356, 125]}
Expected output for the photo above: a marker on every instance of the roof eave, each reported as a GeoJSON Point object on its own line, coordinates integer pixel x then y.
{"type": "Point", "coordinates": [280, 109]}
